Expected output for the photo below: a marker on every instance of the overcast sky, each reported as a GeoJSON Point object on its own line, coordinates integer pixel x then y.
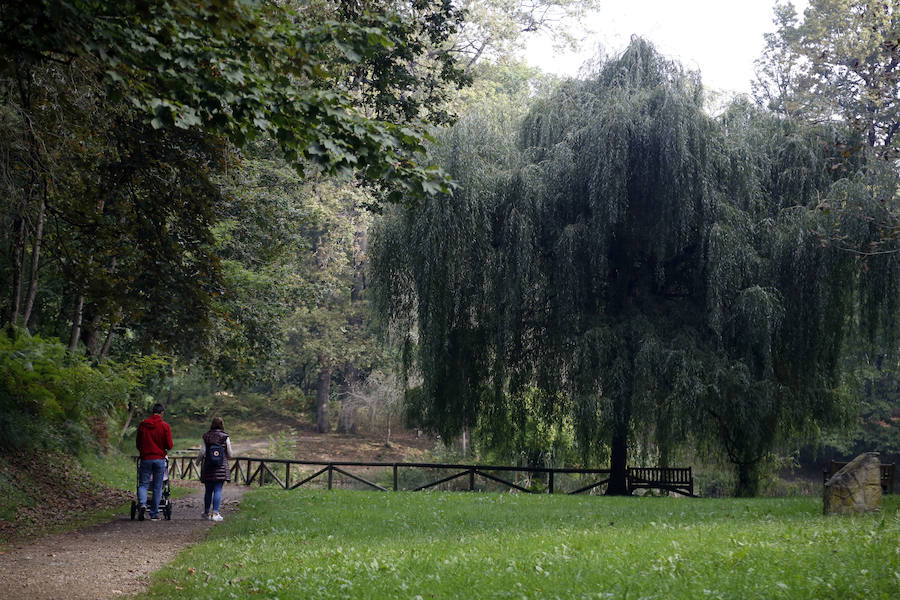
{"type": "Point", "coordinates": [720, 38]}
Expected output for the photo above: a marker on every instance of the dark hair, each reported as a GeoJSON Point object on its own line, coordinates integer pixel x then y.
{"type": "Point", "coordinates": [217, 423]}
{"type": "Point", "coordinates": [158, 408]}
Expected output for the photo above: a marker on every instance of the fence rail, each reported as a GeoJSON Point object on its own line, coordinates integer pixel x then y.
{"type": "Point", "coordinates": [249, 470]}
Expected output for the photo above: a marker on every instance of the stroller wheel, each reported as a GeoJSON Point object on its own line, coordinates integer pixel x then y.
{"type": "Point", "coordinates": [133, 509]}
{"type": "Point", "coordinates": [167, 511]}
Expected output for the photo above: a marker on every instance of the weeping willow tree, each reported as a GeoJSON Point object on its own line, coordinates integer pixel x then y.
{"type": "Point", "coordinates": [787, 290]}
{"type": "Point", "coordinates": [645, 271]}
{"type": "Point", "coordinates": [434, 266]}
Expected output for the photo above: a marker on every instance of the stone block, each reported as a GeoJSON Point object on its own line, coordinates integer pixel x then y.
{"type": "Point", "coordinates": [856, 488]}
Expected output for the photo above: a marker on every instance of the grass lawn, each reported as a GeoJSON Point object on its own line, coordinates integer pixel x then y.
{"type": "Point", "coordinates": [352, 544]}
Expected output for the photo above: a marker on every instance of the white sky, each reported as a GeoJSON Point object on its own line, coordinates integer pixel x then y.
{"type": "Point", "coordinates": [720, 38]}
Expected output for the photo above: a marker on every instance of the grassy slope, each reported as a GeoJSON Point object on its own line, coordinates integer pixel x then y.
{"type": "Point", "coordinates": [41, 494]}
{"type": "Point", "coordinates": [350, 544]}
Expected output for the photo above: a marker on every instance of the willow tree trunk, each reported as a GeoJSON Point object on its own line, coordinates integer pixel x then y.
{"type": "Point", "coordinates": [465, 441]}
{"type": "Point", "coordinates": [748, 480]}
{"type": "Point", "coordinates": [323, 391]}
{"type": "Point", "coordinates": [618, 461]}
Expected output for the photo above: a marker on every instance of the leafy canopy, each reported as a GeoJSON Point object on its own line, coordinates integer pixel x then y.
{"type": "Point", "coordinates": [248, 68]}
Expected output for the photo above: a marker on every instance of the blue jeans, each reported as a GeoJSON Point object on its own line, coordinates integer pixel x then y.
{"type": "Point", "coordinates": [154, 469]}
{"type": "Point", "coordinates": [213, 496]}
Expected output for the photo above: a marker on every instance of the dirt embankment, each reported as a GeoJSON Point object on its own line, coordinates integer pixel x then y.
{"type": "Point", "coordinates": [405, 447]}
{"type": "Point", "coordinates": [43, 492]}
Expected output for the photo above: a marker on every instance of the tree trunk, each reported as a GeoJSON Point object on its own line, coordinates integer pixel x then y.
{"type": "Point", "coordinates": [19, 237]}
{"type": "Point", "coordinates": [618, 462]}
{"type": "Point", "coordinates": [35, 264]}
{"type": "Point", "coordinates": [127, 421]}
{"type": "Point", "coordinates": [108, 342]}
{"type": "Point", "coordinates": [77, 315]}
{"type": "Point", "coordinates": [359, 263]}
{"type": "Point", "coordinates": [748, 480]}
{"type": "Point", "coordinates": [91, 336]}
{"type": "Point", "coordinates": [17, 254]}
{"type": "Point", "coordinates": [465, 441]}
{"type": "Point", "coordinates": [323, 390]}
{"type": "Point", "coordinates": [346, 420]}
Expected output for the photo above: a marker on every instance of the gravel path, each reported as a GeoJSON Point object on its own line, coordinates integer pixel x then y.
{"type": "Point", "coordinates": [109, 560]}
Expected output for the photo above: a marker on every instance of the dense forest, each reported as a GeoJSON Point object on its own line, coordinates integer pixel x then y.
{"type": "Point", "coordinates": [335, 206]}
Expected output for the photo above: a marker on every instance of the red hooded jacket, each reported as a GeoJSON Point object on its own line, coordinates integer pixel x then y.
{"type": "Point", "coordinates": [154, 438]}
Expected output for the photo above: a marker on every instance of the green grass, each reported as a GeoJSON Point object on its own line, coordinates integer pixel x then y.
{"type": "Point", "coordinates": [350, 544]}
{"type": "Point", "coordinates": [113, 469]}
{"type": "Point", "coordinates": [119, 470]}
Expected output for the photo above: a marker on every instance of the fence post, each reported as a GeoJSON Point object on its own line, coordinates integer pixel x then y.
{"type": "Point", "coordinates": [396, 479]}
{"type": "Point", "coordinates": [472, 480]}
{"type": "Point", "coordinates": [287, 476]}
{"type": "Point", "coordinates": [550, 483]}
{"type": "Point", "coordinates": [330, 475]}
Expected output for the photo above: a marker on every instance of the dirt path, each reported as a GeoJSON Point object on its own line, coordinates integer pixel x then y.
{"type": "Point", "coordinates": [110, 560]}
{"type": "Point", "coordinates": [115, 559]}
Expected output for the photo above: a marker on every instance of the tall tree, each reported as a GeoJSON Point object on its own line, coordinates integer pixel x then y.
{"type": "Point", "coordinates": [431, 267]}
{"type": "Point", "coordinates": [330, 332]}
{"type": "Point", "coordinates": [841, 60]}
{"type": "Point", "coordinates": [495, 29]}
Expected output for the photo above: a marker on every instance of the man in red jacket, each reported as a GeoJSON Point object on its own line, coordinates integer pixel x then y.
{"type": "Point", "coordinates": [154, 440]}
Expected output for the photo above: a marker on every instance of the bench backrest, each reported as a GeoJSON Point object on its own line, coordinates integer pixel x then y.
{"type": "Point", "coordinates": [661, 474]}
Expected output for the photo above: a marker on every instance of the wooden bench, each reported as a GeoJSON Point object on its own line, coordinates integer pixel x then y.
{"type": "Point", "coordinates": [887, 474]}
{"type": "Point", "coordinates": [673, 479]}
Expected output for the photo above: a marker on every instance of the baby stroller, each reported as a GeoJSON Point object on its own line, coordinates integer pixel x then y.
{"type": "Point", "coordinates": [165, 504]}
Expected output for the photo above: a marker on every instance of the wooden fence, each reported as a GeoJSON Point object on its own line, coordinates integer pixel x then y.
{"type": "Point", "coordinates": [262, 471]}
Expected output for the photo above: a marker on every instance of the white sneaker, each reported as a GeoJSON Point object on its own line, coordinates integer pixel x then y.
{"type": "Point", "coordinates": [217, 517]}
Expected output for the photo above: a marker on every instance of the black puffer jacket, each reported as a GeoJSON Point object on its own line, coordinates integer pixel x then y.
{"type": "Point", "coordinates": [221, 473]}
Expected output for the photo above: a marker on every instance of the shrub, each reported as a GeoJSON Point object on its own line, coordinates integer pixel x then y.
{"type": "Point", "coordinates": [51, 398]}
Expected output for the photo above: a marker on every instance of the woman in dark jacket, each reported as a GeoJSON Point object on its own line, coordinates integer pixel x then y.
{"type": "Point", "coordinates": [215, 450]}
